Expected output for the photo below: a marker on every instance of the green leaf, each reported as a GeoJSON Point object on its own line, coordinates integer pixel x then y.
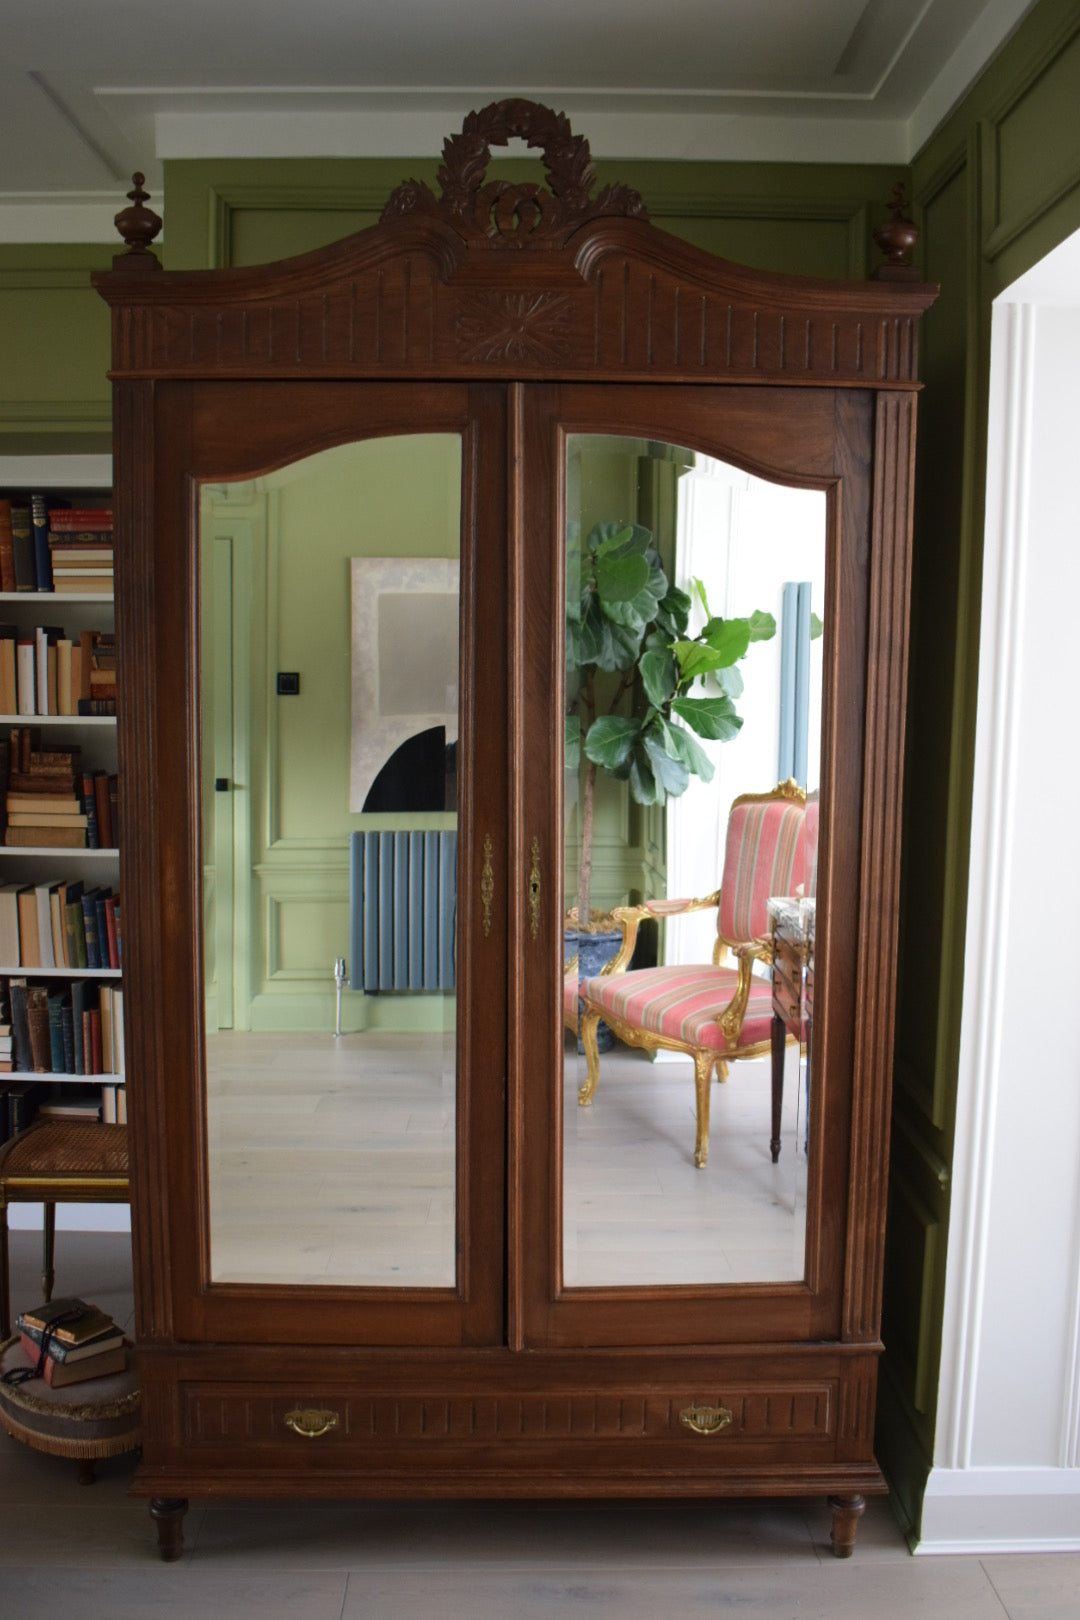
{"type": "Point", "coordinates": [694, 658]}
{"type": "Point", "coordinates": [610, 741]}
{"type": "Point", "coordinates": [762, 626]}
{"type": "Point", "coordinates": [699, 591]}
{"type": "Point", "coordinates": [672, 773]}
{"type": "Point", "coordinates": [621, 578]}
{"type": "Point", "coordinates": [728, 637]}
{"type": "Point", "coordinates": [689, 750]}
{"type": "Point", "coordinates": [613, 536]}
{"type": "Point", "coordinates": [730, 681]}
{"type": "Point", "coordinates": [572, 742]}
{"type": "Point", "coordinates": [711, 717]}
{"type": "Point", "coordinates": [659, 676]}
{"type": "Point", "coordinates": [673, 613]}
{"type": "Point", "coordinates": [644, 787]}
{"type": "Point", "coordinates": [817, 629]}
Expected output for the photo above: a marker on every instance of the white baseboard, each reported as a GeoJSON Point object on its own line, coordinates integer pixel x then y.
{"type": "Point", "coordinates": [71, 1217]}
{"type": "Point", "coordinates": [989, 1510]}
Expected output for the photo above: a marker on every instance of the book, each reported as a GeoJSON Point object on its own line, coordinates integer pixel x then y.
{"type": "Point", "coordinates": [90, 933]}
{"type": "Point", "coordinates": [44, 926]}
{"type": "Point", "coordinates": [46, 837]}
{"type": "Point", "coordinates": [7, 548]}
{"type": "Point", "coordinates": [81, 518]}
{"type": "Point", "coordinates": [112, 937]}
{"type": "Point", "coordinates": [9, 925]}
{"type": "Point", "coordinates": [72, 1321]}
{"type": "Point", "coordinates": [22, 540]}
{"type": "Point", "coordinates": [20, 1024]}
{"type": "Point", "coordinates": [29, 946]}
{"type": "Point", "coordinates": [25, 674]}
{"type": "Point", "coordinates": [39, 522]}
{"type": "Point", "coordinates": [58, 1374]}
{"type": "Point", "coordinates": [83, 585]}
{"type": "Point", "coordinates": [70, 1354]}
{"type": "Point", "coordinates": [74, 938]}
{"type": "Point", "coordinates": [37, 1016]}
{"type": "Point", "coordinates": [56, 1031]}
{"type": "Point", "coordinates": [104, 814]}
{"type": "Point", "coordinates": [9, 636]}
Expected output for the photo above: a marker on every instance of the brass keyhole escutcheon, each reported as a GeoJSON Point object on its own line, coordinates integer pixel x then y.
{"type": "Point", "coordinates": [534, 889]}
{"type": "Point", "coordinates": [311, 1422]}
{"type": "Point", "coordinates": [706, 1419]}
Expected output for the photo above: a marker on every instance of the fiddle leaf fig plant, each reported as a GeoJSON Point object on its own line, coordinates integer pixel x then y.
{"type": "Point", "coordinates": [636, 678]}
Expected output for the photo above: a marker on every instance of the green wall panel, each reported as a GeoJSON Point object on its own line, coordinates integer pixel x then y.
{"type": "Point", "coordinates": [55, 344]}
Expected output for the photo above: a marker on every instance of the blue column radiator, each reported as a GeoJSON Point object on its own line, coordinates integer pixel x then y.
{"type": "Point", "coordinates": [402, 897]}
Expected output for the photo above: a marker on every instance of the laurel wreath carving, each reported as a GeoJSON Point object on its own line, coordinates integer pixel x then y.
{"type": "Point", "coordinates": [503, 214]}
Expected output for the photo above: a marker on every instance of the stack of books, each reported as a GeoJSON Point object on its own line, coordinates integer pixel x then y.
{"type": "Point", "coordinates": [81, 550]}
{"type": "Point", "coordinates": [44, 802]}
{"type": "Point", "coordinates": [79, 1341]}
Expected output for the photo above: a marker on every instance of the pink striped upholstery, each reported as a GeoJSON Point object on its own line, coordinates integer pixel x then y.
{"type": "Point", "coordinates": [810, 825]}
{"type": "Point", "coordinates": [763, 856]}
{"type": "Point", "coordinates": [683, 1004]}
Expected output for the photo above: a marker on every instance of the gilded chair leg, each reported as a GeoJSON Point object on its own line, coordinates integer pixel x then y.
{"type": "Point", "coordinates": [703, 1067]}
{"type": "Point", "coordinates": [590, 1023]}
{"type": "Point", "coordinates": [722, 1070]}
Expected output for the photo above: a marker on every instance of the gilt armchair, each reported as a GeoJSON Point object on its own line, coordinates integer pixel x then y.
{"type": "Point", "coordinates": [715, 1012]}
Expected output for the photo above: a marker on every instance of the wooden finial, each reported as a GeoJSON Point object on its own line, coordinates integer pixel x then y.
{"type": "Point", "coordinates": [138, 226]}
{"type": "Point", "coordinates": [896, 238]}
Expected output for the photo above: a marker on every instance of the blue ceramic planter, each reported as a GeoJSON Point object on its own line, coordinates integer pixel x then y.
{"type": "Point", "coordinates": [594, 952]}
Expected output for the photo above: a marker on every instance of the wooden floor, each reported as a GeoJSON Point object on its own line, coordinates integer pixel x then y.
{"type": "Point", "coordinates": [90, 1551]}
{"type": "Point", "coordinates": [332, 1162]}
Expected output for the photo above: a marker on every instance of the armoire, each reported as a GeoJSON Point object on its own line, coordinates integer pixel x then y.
{"type": "Point", "coordinates": [414, 1302]}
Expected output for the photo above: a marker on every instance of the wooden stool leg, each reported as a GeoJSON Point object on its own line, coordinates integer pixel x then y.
{"type": "Point", "coordinates": [86, 1470]}
{"type": "Point", "coordinates": [5, 1278]}
{"type": "Point", "coordinates": [48, 1275]}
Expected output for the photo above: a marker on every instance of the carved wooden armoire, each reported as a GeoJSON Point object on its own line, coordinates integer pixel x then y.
{"type": "Point", "coordinates": [401, 1260]}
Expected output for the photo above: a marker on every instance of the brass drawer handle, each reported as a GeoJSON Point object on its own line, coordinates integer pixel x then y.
{"type": "Point", "coordinates": [311, 1422]}
{"type": "Point", "coordinates": [706, 1419]}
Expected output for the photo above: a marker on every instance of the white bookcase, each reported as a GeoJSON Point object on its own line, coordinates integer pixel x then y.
{"type": "Point", "coordinates": [74, 478]}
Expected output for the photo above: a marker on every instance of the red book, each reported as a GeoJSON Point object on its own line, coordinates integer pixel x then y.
{"type": "Point", "coordinates": [58, 1373]}
{"type": "Point", "coordinates": [104, 815]}
{"type": "Point", "coordinates": [110, 930]}
{"type": "Point", "coordinates": [80, 517]}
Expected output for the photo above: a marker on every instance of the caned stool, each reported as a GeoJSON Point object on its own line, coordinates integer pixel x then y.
{"type": "Point", "coordinates": [98, 1418]}
{"type": "Point", "coordinates": [58, 1162]}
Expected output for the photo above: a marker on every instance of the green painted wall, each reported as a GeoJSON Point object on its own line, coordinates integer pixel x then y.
{"type": "Point", "coordinates": [292, 535]}
{"type": "Point", "coordinates": [996, 188]}
{"type": "Point", "coordinates": [54, 394]}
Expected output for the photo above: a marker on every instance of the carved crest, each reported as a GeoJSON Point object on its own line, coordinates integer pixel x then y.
{"type": "Point", "coordinates": [501, 213]}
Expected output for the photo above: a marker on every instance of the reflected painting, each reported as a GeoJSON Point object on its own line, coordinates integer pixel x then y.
{"type": "Point", "coordinates": [694, 633]}
{"type": "Point", "coordinates": [329, 809]}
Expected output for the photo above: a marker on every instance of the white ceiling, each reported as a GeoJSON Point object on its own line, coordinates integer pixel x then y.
{"type": "Point", "coordinates": [92, 89]}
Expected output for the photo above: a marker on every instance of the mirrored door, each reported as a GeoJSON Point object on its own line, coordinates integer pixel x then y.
{"type": "Point", "coordinates": [698, 1061]}
{"type": "Point", "coordinates": [346, 562]}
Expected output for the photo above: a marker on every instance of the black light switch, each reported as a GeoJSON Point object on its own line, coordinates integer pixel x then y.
{"type": "Point", "coordinates": [288, 683]}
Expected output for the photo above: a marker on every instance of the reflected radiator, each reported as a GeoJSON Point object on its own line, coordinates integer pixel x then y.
{"type": "Point", "coordinates": [402, 891]}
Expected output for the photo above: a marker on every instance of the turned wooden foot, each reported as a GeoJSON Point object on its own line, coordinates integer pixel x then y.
{"type": "Point", "coordinates": [846, 1513]}
{"type": "Point", "coordinates": [168, 1515]}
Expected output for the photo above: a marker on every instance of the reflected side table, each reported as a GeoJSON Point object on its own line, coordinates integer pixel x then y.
{"type": "Point", "coordinates": [792, 923]}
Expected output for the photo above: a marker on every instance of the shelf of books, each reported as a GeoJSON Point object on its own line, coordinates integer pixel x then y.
{"type": "Point", "coordinates": [61, 993]}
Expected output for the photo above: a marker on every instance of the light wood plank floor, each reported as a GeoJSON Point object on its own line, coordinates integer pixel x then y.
{"type": "Point", "coordinates": [91, 1550]}
{"type": "Point", "coordinates": [332, 1162]}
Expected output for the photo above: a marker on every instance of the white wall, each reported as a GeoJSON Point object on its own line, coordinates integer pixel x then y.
{"type": "Point", "coordinates": [1007, 1452]}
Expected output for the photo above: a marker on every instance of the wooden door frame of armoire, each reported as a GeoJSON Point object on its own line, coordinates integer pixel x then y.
{"type": "Point", "coordinates": [509, 285]}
